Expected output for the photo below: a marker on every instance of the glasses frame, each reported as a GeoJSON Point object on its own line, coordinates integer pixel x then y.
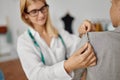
{"type": "Point", "coordinates": [37, 10]}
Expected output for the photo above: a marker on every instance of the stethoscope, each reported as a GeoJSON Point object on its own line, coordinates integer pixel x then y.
{"type": "Point", "coordinates": [38, 47]}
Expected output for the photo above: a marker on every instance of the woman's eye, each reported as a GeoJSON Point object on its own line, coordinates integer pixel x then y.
{"type": "Point", "coordinates": [33, 11]}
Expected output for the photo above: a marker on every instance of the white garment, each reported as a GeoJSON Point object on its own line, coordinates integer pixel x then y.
{"type": "Point", "coordinates": [54, 56]}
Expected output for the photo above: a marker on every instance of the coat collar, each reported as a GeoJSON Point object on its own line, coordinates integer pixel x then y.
{"type": "Point", "coordinates": [33, 32]}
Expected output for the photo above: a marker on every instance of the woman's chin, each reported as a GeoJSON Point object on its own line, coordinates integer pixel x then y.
{"type": "Point", "coordinates": [41, 23]}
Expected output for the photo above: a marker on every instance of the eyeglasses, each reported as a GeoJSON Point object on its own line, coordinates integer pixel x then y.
{"type": "Point", "coordinates": [35, 12]}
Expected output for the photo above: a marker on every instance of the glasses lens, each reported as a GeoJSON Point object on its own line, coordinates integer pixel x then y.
{"type": "Point", "coordinates": [44, 9]}
{"type": "Point", "coordinates": [34, 12]}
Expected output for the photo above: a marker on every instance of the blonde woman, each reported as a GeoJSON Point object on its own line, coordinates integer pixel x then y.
{"type": "Point", "coordinates": [45, 52]}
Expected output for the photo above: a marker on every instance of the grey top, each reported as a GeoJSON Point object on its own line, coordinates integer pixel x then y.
{"type": "Point", "coordinates": [107, 48]}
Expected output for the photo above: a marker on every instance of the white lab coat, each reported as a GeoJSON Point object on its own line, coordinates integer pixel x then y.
{"type": "Point", "coordinates": [54, 56]}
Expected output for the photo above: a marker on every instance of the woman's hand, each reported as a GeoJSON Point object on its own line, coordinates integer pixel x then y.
{"type": "Point", "coordinates": [86, 26]}
{"type": "Point", "coordinates": [84, 74]}
{"type": "Point", "coordinates": [82, 58]}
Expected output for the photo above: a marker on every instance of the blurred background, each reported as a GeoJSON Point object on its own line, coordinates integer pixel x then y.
{"type": "Point", "coordinates": [67, 14]}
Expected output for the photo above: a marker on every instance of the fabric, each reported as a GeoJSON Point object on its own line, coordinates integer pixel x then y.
{"type": "Point", "coordinates": [107, 48]}
{"type": "Point", "coordinates": [54, 56]}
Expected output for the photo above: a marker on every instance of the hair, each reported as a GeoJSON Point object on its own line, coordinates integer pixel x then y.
{"type": "Point", "coordinates": [52, 31]}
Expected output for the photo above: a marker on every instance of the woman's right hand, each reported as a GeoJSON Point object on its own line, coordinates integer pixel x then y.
{"type": "Point", "coordinates": [82, 58]}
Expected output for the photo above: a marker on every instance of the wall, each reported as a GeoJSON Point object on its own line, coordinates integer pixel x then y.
{"type": "Point", "coordinates": [9, 15]}
{"type": "Point", "coordinates": [79, 9]}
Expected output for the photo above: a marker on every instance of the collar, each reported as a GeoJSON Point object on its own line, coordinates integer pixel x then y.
{"type": "Point", "coordinates": [33, 32]}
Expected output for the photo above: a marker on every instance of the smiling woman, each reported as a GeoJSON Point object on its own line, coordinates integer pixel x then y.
{"type": "Point", "coordinates": [45, 52]}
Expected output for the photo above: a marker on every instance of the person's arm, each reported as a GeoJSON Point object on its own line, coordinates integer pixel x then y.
{"type": "Point", "coordinates": [36, 70]}
{"type": "Point", "coordinates": [33, 66]}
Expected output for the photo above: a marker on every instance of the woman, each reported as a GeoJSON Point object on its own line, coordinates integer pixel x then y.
{"type": "Point", "coordinates": [43, 50]}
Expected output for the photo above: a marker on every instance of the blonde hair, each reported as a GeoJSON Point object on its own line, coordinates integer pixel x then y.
{"type": "Point", "coordinates": [52, 31]}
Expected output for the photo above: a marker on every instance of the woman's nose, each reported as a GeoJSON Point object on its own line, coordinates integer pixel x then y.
{"type": "Point", "coordinates": [40, 14]}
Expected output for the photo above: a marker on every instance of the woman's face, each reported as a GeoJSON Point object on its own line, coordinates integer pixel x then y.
{"type": "Point", "coordinates": [37, 13]}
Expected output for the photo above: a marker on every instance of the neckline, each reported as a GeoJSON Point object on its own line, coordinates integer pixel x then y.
{"type": "Point", "coordinates": [36, 35]}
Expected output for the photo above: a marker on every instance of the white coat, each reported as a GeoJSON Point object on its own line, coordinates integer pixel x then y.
{"type": "Point", "coordinates": [54, 56]}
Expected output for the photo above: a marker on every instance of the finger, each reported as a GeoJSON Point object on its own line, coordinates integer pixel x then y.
{"type": "Point", "coordinates": [87, 52]}
{"type": "Point", "coordinates": [89, 59]}
{"type": "Point", "coordinates": [88, 25]}
{"type": "Point", "coordinates": [91, 56]}
{"type": "Point", "coordinates": [93, 62]}
{"type": "Point", "coordinates": [82, 49]}
{"type": "Point", "coordinates": [84, 74]}
{"type": "Point", "coordinates": [83, 57]}
{"type": "Point", "coordinates": [85, 65]}
{"type": "Point", "coordinates": [82, 29]}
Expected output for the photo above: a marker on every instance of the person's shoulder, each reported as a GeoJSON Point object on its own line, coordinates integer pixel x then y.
{"type": "Point", "coordinates": [94, 36]}
{"type": "Point", "coordinates": [100, 37]}
{"type": "Point", "coordinates": [23, 36]}
{"type": "Point", "coordinates": [98, 34]}
{"type": "Point", "coordinates": [62, 31]}
{"type": "Point", "coordinates": [101, 32]}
